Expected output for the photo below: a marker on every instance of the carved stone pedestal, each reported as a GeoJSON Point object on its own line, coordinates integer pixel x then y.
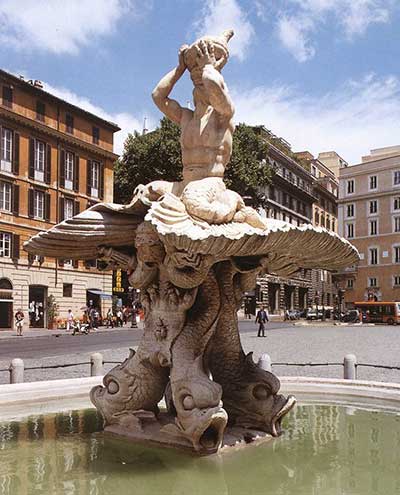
{"type": "Point", "coordinates": [163, 432]}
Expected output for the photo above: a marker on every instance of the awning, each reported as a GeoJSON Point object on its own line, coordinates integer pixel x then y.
{"type": "Point", "coordinates": [98, 292]}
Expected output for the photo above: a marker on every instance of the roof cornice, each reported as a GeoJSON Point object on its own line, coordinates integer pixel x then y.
{"type": "Point", "coordinates": [49, 131]}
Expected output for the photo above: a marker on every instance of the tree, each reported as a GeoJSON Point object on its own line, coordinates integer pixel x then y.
{"type": "Point", "coordinates": [157, 155]}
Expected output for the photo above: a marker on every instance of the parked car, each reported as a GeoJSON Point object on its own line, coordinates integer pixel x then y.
{"type": "Point", "coordinates": [351, 316]}
{"type": "Point", "coordinates": [314, 314]}
{"type": "Point", "coordinates": [294, 314]}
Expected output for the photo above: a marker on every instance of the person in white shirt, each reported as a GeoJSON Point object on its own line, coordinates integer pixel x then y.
{"type": "Point", "coordinates": [70, 320]}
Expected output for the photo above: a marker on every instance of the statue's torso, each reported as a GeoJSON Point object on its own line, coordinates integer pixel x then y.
{"type": "Point", "coordinates": [206, 143]}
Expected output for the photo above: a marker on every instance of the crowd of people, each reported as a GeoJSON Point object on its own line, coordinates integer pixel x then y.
{"type": "Point", "coordinates": [117, 317]}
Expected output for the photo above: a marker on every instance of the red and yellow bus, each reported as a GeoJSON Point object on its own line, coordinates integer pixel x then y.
{"type": "Point", "coordinates": [379, 312]}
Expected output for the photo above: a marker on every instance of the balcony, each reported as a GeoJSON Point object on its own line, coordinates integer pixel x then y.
{"type": "Point", "coordinates": [287, 182]}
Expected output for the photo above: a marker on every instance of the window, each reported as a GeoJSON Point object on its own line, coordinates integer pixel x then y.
{"type": "Point", "coordinates": [6, 149]}
{"type": "Point", "coordinates": [7, 96]}
{"type": "Point", "coordinates": [333, 225]}
{"type": "Point", "coordinates": [372, 282]}
{"type": "Point", "coordinates": [314, 170]}
{"type": "Point", "coordinates": [69, 170]}
{"type": "Point", "coordinates": [350, 210]}
{"type": "Point", "coordinates": [5, 196]}
{"type": "Point", "coordinates": [67, 290]}
{"type": "Point", "coordinates": [5, 245]}
{"type": "Point", "coordinates": [373, 182]}
{"type": "Point", "coordinates": [373, 207]}
{"type": "Point", "coordinates": [316, 218]}
{"type": "Point", "coordinates": [396, 203]}
{"type": "Point", "coordinates": [396, 280]}
{"type": "Point", "coordinates": [373, 227]}
{"type": "Point", "coordinates": [396, 254]}
{"type": "Point", "coordinates": [69, 123]}
{"type": "Point", "coordinates": [373, 256]}
{"type": "Point", "coordinates": [40, 155]}
{"type": "Point", "coordinates": [95, 174]}
{"type": "Point", "coordinates": [350, 230]}
{"type": "Point", "coordinates": [68, 208]}
{"type": "Point", "coordinates": [40, 110]}
{"type": "Point", "coordinates": [350, 283]}
{"type": "Point", "coordinates": [38, 205]}
{"type": "Point", "coordinates": [396, 178]}
{"type": "Point", "coordinates": [96, 135]}
{"type": "Point", "coordinates": [350, 186]}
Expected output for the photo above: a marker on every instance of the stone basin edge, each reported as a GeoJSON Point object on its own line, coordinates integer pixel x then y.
{"type": "Point", "coordinates": [18, 401]}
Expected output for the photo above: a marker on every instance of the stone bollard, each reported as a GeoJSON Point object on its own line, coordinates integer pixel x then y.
{"type": "Point", "coordinates": [350, 367]}
{"type": "Point", "coordinates": [265, 362]}
{"type": "Point", "coordinates": [96, 364]}
{"type": "Point", "coordinates": [16, 371]}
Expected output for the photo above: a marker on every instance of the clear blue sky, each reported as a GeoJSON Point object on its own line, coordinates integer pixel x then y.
{"type": "Point", "coordinates": [323, 74]}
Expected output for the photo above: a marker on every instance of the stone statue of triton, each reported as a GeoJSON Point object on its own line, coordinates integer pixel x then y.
{"type": "Point", "coordinates": [206, 135]}
{"type": "Point", "coordinates": [193, 248]}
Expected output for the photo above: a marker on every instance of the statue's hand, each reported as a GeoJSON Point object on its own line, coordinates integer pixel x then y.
{"type": "Point", "coordinates": [205, 54]}
{"type": "Point", "coordinates": [181, 57]}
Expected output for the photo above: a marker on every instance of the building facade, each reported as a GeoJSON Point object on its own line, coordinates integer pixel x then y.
{"type": "Point", "coordinates": [324, 214]}
{"type": "Point", "coordinates": [369, 217]}
{"type": "Point", "coordinates": [290, 198]}
{"type": "Point", "coordinates": [55, 160]}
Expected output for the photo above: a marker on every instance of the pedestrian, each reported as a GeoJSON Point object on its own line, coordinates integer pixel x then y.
{"type": "Point", "coordinates": [125, 314]}
{"type": "Point", "coordinates": [119, 318]}
{"type": "Point", "coordinates": [96, 318]}
{"type": "Point", "coordinates": [70, 320]}
{"type": "Point", "coordinates": [19, 321]}
{"type": "Point", "coordinates": [261, 319]}
{"type": "Point", "coordinates": [110, 318]}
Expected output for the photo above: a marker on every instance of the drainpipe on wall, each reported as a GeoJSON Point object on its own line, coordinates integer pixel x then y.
{"type": "Point", "coordinates": [57, 186]}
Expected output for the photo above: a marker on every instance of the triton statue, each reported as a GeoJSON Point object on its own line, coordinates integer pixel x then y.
{"type": "Point", "coordinates": [193, 248]}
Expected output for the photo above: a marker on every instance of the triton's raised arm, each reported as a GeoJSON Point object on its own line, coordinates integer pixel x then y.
{"type": "Point", "coordinates": [168, 106]}
{"type": "Point", "coordinates": [212, 79]}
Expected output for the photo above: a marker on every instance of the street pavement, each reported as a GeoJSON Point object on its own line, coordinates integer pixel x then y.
{"type": "Point", "coordinates": [285, 342]}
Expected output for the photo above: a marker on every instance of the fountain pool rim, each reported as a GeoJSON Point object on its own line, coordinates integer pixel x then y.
{"type": "Point", "coordinates": [18, 401]}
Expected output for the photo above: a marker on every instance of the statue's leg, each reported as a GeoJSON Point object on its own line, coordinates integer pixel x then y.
{"type": "Point", "coordinates": [250, 394]}
{"type": "Point", "coordinates": [196, 398]}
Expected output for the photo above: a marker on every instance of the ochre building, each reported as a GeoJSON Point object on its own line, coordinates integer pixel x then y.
{"type": "Point", "coordinates": [55, 160]}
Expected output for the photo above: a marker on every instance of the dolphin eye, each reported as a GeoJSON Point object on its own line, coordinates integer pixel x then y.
{"type": "Point", "coordinates": [112, 387]}
{"type": "Point", "coordinates": [188, 403]}
{"type": "Point", "coordinates": [261, 392]}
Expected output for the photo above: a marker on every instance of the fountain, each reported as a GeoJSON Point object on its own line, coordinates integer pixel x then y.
{"type": "Point", "coordinates": [193, 248]}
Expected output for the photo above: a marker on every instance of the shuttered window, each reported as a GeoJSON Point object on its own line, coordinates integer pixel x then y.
{"type": "Point", "coordinates": [6, 149]}
{"type": "Point", "coordinates": [5, 196]}
{"type": "Point", "coordinates": [38, 205]}
{"type": "Point", "coordinates": [40, 110]}
{"type": "Point", "coordinates": [69, 170]}
{"type": "Point", "coordinates": [7, 96]}
{"type": "Point", "coordinates": [69, 123]}
{"type": "Point", "coordinates": [5, 244]}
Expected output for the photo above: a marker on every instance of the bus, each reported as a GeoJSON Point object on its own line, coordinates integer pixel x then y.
{"type": "Point", "coordinates": [379, 312]}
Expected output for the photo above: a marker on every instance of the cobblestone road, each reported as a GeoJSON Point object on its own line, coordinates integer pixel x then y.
{"type": "Point", "coordinates": [284, 343]}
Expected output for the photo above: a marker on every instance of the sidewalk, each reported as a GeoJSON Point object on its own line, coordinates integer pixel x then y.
{"type": "Point", "coordinates": [45, 332]}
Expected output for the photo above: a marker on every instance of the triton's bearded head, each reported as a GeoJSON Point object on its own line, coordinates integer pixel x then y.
{"type": "Point", "coordinates": [220, 44]}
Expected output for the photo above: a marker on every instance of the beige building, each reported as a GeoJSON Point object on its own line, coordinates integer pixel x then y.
{"type": "Point", "coordinates": [324, 214]}
{"type": "Point", "coordinates": [55, 160]}
{"type": "Point", "coordinates": [369, 217]}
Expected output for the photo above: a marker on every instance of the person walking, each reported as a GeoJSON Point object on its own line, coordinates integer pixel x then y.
{"type": "Point", "coordinates": [261, 319]}
{"type": "Point", "coordinates": [120, 315]}
{"type": "Point", "coordinates": [110, 318]}
{"type": "Point", "coordinates": [19, 321]}
{"type": "Point", "coordinates": [70, 320]}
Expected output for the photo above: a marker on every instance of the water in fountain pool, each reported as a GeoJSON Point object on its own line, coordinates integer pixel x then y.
{"type": "Point", "coordinates": [327, 450]}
